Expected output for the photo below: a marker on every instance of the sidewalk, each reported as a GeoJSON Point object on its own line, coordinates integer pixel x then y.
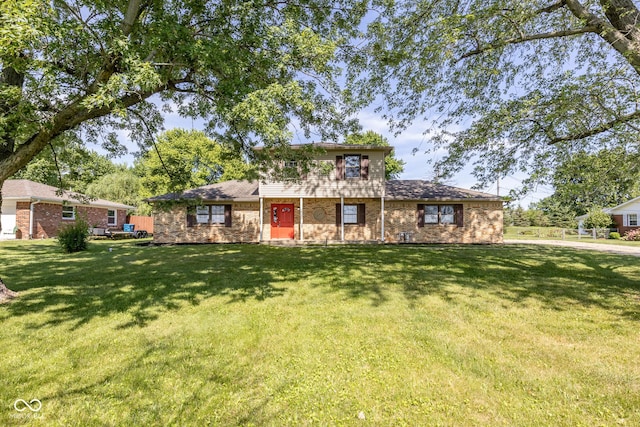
{"type": "Point", "coordinates": [602, 247]}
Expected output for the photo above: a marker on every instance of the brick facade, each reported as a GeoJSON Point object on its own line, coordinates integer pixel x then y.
{"type": "Point", "coordinates": [47, 219]}
{"type": "Point", "coordinates": [483, 223]}
{"type": "Point", "coordinates": [619, 224]}
{"type": "Point", "coordinates": [171, 226]}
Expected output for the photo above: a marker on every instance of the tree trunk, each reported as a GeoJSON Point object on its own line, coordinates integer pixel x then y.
{"type": "Point", "coordinates": [5, 293]}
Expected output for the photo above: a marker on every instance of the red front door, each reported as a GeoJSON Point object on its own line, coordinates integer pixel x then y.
{"type": "Point", "coordinates": [282, 221]}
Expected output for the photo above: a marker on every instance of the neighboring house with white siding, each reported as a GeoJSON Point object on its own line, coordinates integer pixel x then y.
{"type": "Point", "coordinates": [345, 198]}
{"type": "Point", "coordinates": [626, 216]}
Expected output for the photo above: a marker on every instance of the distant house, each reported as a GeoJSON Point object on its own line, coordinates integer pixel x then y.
{"type": "Point", "coordinates": [625, 216]}
{"type": "Point", "coordinates": [344, 199]}
{"type": "Point", "coordinates": [34, 210]}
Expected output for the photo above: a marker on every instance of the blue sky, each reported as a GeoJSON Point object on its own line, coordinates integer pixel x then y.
{"type": "Point", "coordinates": [416, 161]}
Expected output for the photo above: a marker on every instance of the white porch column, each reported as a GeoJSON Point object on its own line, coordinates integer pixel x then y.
{"type": "Point", "coordinates": [301, 219]}
{"type": "Point", "coordinates": [261, 216]}
{"type": "Point", "coordinates": [382, 219]}
{"type": "Point", "coordinates": [342, 218]}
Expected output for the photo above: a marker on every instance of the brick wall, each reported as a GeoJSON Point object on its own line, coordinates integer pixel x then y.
{"type": "Point", "coordinates": [171, 226]}
{"type": "Point", "coordinates": [22, 220]}
{"type": "Point", "coordinates": [47, 219]}
{"type": "Point", "coordinates": [482, 223]}
{"type": "Point", "coordinates": [619, 224]}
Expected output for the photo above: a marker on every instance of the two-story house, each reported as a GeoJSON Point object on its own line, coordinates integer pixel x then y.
{"type": "Point", "coordinates": [344, 198]}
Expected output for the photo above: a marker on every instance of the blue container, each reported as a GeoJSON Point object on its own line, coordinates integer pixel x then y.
{"type": "Point", "coordinates": [128, 228]}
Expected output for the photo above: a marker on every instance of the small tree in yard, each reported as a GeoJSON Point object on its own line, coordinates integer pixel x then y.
{"type": "Point", "coordinates": [597, 218]}
{"type": "Point", "coordinates": [74, 237]}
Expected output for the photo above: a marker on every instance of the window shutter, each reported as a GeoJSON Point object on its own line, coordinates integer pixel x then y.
{"type": "Point", "coordinates": [420, 215]}
{"type": "Point", "coordinates": [227, 215]}
{"type": "Point", "coordinates": [364, 167]}
{"type": "Point", "coordinates": [338, 214]}
{"type": "Point", "coordinates": [339, 167]}
{"type": "Point", "coordinates": [361, 215]}
{"type": "Point", "coordinates": [459, 215]}
{"type": "Point", "coordinates": [191, 216]}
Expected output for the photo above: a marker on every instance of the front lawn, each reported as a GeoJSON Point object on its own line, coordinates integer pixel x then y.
{"type": "Point", "coordinates": [338, 335]}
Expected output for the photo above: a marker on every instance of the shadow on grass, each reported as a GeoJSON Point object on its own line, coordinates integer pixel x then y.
{"type": "Point", "coordinates": [146, 281]}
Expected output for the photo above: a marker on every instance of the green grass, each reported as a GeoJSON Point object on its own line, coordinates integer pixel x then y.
{"type": "Point", "coordinates": [259, 335]}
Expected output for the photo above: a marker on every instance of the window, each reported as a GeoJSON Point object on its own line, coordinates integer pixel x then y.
{"type": "Point", "coordinates": [633, 220]}
{"type": "Point", "coordinates": [112, 217]}
{"type": "Point", "coordinates": [68, 212]}
{"type": "Point", "coordinates": [446, 214]}
{"type": "Point", "coordinates": [217, 214]}
{"type": "Point", "coordinates": [352, 166]}
{"type": "Point", "coordinates": [209, 214]}
{"type": "Point", "coordinates": [440, 214]}
{"type": "Point", "coordinates": [350, 214]}
{"type": "Point", "coordinates": [353, 214]}
{"type": "Point", "coordinates": [431, 214]}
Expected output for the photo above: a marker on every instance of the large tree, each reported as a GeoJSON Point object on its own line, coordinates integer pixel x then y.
{"type": "Point", "coordinates": [603, 179]}
{"type": "Point", "coordinates": [67, 164]}
{"type": "Point", "coordinates": [182, 159]}
{"type": "Point", "coordinates": [507, 84]}
{"type": "Point", "coordinates": [250, 68]}
{"type": "Point", "coordinates": [88, 67]}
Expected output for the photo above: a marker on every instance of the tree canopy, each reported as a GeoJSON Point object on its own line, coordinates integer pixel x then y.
{"type": "Point", "coordinates": [182, 159]}
{"type": "Point", "coordinates": [511, 86]}
{"type": "Point", "coordinates": [250, 68]}
{"type": "Point", "coordinates": [602, 179]}
{"type": "Point", "coordinates": [393, 166]}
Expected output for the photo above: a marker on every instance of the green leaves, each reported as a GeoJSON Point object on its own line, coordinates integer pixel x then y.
{"type": "Point", "coordinates": [250, 69]}
{"type": "Point", "coordinates": [510, 86]}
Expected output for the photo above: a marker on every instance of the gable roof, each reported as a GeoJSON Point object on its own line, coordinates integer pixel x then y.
{"type": "Point", "coordinates": [241, 191]}
{"type": "Point", "coordinates": [405, 189]}
{"type": "Point", "coordinates": [24, 189]}
{"type": "Point", "coordinates": [612, 210]}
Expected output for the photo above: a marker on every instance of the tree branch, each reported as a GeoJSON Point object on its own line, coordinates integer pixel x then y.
{"type": "Point", "coordinates": [626, 47]}
{"type": "Point", "coordinates": [530, 37]}
{"type": "Point", "coordinates": [596, 130]}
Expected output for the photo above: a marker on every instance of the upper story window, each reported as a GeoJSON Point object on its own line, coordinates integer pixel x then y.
{"type": "Point", "coordinates": [112, 217]}
{"type": "Point", "coordinates": [68, 212]}
{"type": "Point", "coordinates": [352, 166]}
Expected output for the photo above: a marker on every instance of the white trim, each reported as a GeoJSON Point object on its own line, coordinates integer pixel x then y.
{"type": "Point", "coordinates": [301, 219]}
{"type": "Point", "coordinates": [31, 217]}
{"type": "Point", "coordinates": [73, 217]}
{"type": "Point", "coordinates": [382, 219]}
{"type": "Point", "coordinates": [342, 218]}
{"type": "Point", "coordinates": [261, 216]}
{"type": "Point", "coordinates": [115, 217]}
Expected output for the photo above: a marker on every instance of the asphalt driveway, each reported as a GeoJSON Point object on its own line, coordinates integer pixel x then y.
{"type": "Point", "coordinates": [602, 247]}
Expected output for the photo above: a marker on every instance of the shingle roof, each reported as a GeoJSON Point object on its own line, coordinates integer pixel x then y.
{"type": "Point", "coordinates": [330, 146]}
{"type": "Point", "coordinates": [245, 191]}
{"type": "Point", "coordinates": [426, 190]}
{"type": "Point", "coordinates": [24, 189]}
